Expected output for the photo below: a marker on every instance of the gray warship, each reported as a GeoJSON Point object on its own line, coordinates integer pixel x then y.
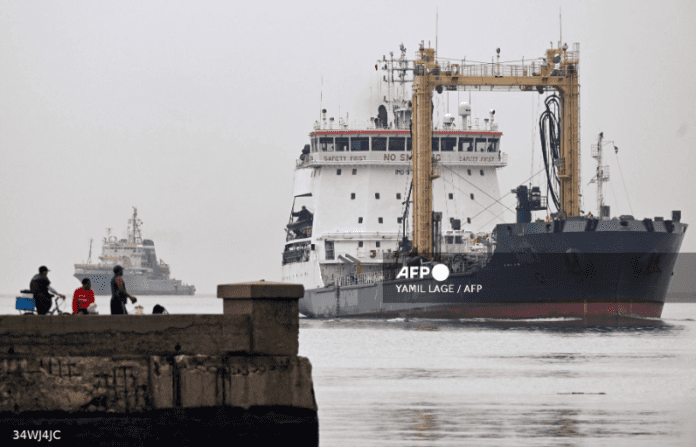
{"type": "Point", "coordinates": [143, 273]}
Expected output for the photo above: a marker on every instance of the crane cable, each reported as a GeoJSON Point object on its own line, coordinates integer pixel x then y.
{"type": "Point", "coordinates": [551, 145]}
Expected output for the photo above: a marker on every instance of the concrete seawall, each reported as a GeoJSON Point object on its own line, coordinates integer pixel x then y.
{"type": "Point", "coordinates": [174, 379]}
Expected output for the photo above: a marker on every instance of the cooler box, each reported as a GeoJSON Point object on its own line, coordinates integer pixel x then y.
{"type": "Point", "coordinates": [24, 303]}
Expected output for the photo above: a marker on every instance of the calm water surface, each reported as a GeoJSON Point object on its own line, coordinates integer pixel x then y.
{"type": "Point", "coordinates": [492, 383]}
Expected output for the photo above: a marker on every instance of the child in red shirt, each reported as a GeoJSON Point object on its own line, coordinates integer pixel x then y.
{"type": "Point", "coordinates": [83, 296]}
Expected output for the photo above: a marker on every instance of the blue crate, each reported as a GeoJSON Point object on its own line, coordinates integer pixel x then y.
{"type": "Point", "coordinates": [24, 303]}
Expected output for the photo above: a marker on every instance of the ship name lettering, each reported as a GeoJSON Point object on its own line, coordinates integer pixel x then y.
{"type": "Point", "coordinates": [334, 158]}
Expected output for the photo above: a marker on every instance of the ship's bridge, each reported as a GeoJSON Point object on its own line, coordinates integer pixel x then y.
{"type": "Point", "coordinates": [394, 147]}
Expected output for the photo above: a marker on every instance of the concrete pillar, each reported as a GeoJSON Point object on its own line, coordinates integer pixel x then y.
{"type": "Point", "coordinates": [273, 312]}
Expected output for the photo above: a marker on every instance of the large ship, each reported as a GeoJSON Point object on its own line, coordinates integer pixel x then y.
{"type": "Point", "coordinates": [143, 273]}
{"type": "Point", "coordinates": [351, 240]}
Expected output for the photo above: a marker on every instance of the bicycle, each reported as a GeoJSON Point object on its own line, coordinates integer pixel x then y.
{"type": "Point", "coordinates": [27, 306]}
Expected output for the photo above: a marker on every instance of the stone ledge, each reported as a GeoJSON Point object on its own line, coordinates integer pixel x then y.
{"type": "Point", "coordinates": [261, 289]}
{"type": "Point", "coordinates": [112, 335]}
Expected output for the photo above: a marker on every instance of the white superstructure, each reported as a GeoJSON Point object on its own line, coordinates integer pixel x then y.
{"type": "Point", "coordinates": [355, 180]}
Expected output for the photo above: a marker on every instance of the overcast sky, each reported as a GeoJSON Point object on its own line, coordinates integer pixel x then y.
{"type": "Point", "coordinates": [195, 112]}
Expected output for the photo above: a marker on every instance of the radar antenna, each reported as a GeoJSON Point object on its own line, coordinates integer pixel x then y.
{"type": "Point", "coordinates": [134, 237]}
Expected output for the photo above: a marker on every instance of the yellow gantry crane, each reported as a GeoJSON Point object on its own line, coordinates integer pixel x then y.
{"type": "Point", "coordinates": [559, 71]}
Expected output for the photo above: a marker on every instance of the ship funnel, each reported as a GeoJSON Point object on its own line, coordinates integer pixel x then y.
{"type": "Point", "coordinates": [323, 118]}
{"type": "Point", "coordinates": [464, 112]}
{"type": "Point", "coordinates": [331, 120]}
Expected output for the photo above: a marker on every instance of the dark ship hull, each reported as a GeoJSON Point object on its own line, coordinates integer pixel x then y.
{"type": "Point", "coordinates": [574, 268]}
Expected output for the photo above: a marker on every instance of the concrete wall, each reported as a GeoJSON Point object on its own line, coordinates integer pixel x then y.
{"type": "Point", "coordinates": [56, 371]}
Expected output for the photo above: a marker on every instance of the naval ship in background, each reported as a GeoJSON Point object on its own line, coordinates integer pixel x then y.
{"type": "Point", "coordinates": [142, 272]}
{"type": "Point", "coordinates": [351, 244]}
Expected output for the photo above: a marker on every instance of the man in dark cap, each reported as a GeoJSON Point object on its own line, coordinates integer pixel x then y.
{"type": "Point", "coordinates": [40, 286]}
{"type": "Point", "coordinates": [119, 296]}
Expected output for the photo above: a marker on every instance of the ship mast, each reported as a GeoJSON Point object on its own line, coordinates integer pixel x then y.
{"type": "Point", "coordinates": [558, 71]}
{"type": "Point", "coordinates": [134, 237]}
{"type": "Point", "coordinates": [602, 174]}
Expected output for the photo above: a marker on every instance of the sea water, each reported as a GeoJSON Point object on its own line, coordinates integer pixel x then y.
{"type": "Point", "coordinates": [492, 383]}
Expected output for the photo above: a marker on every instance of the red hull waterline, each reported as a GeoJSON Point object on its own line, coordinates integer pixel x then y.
{"type": "Point", "coordinates": [533, 310]}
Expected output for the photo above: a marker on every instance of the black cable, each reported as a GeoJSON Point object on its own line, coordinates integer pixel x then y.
{"type": "Point", "coordinates": [549, 122]}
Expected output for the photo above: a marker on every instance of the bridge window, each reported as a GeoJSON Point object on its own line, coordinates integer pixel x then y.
{"type": "Point", "coordinates": [329, 249]}
{"type": "Point", "coordinates": [396, 144]}
{"type": "Point", "coordinates": [359, 144]}
{"type": "Point", "coordinates": [399, 220]}
{"type": "Point", "coordinates": [338, 172]}
{"type": "Point", "coordinates": [466, 145]}
{"type": "Point", "coordinates": [296, 253]}
{"type": "Point", "coordinates": [448, 144]}
{"type": "Point", "coordinates": [342, 144]}
{"type": "Point", "coordinates": [451, 196]}
{"type": "Point", "coordinates": [314, 144]}
{"type": "Point", "coordinates": [398, 196]}
{"type": "Point", "coordinates": [359, 219]}
{"type": "Point", "coordinates": [468, 220]}
{"type": "Point", "coordinates": [481, 171]}
{"type": "Point", "coordinates": [408, 143]}
{"type": "Point", "coordinates": [326, 144]}
{"type": "Point", "coordinates": [360, 244]}
{"type": "Point", "coordinates": [352, 196]}
{"type": "Point", "coordinates": [436, 144]}
{"type": "Point", "coordinates": [457, 239]}
{"type": "Point", "coordinates": [468, 171]}
{"type": "Point", "coordinates": [379, 144]}
{"type": "Point", "coordinates": [493, 145]}
{"type": "Point", "coordinates": [377, 244]}
{"type": "Point", "coordinates": [449, 239]}
{"type": "Point", "coordinates": [480, 145]}
{"type": "Point", "coordinates": [376, 195]}
{"type": "Point", "coordinates": [380, 220]}
{"type": "Point", "coordinates": [355, 171]}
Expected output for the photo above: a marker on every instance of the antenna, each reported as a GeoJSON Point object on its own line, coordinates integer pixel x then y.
{"type": "Point", "coordinates": [560, 23]}
{"type": "Point", "coordinates": [436, 19]}
{"type": "Point", "coordinates": [321, 96]}
{"type": "Point", "coordinates": [89, 256]}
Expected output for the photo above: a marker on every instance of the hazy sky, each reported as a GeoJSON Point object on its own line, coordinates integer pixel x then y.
{"type": "Point", "coordinates": [195, 112]}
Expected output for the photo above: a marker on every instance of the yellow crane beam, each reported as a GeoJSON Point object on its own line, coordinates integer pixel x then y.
{"type": "Point", "coordinates": [559, 72]}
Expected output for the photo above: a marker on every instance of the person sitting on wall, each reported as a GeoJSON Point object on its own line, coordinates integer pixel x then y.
{"type": "Point", "coordinates": [119, 296]}
{"type": "Point", "coordinates": [40, 286]}
{"type": "Point", "coordinates": [83, 297]}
